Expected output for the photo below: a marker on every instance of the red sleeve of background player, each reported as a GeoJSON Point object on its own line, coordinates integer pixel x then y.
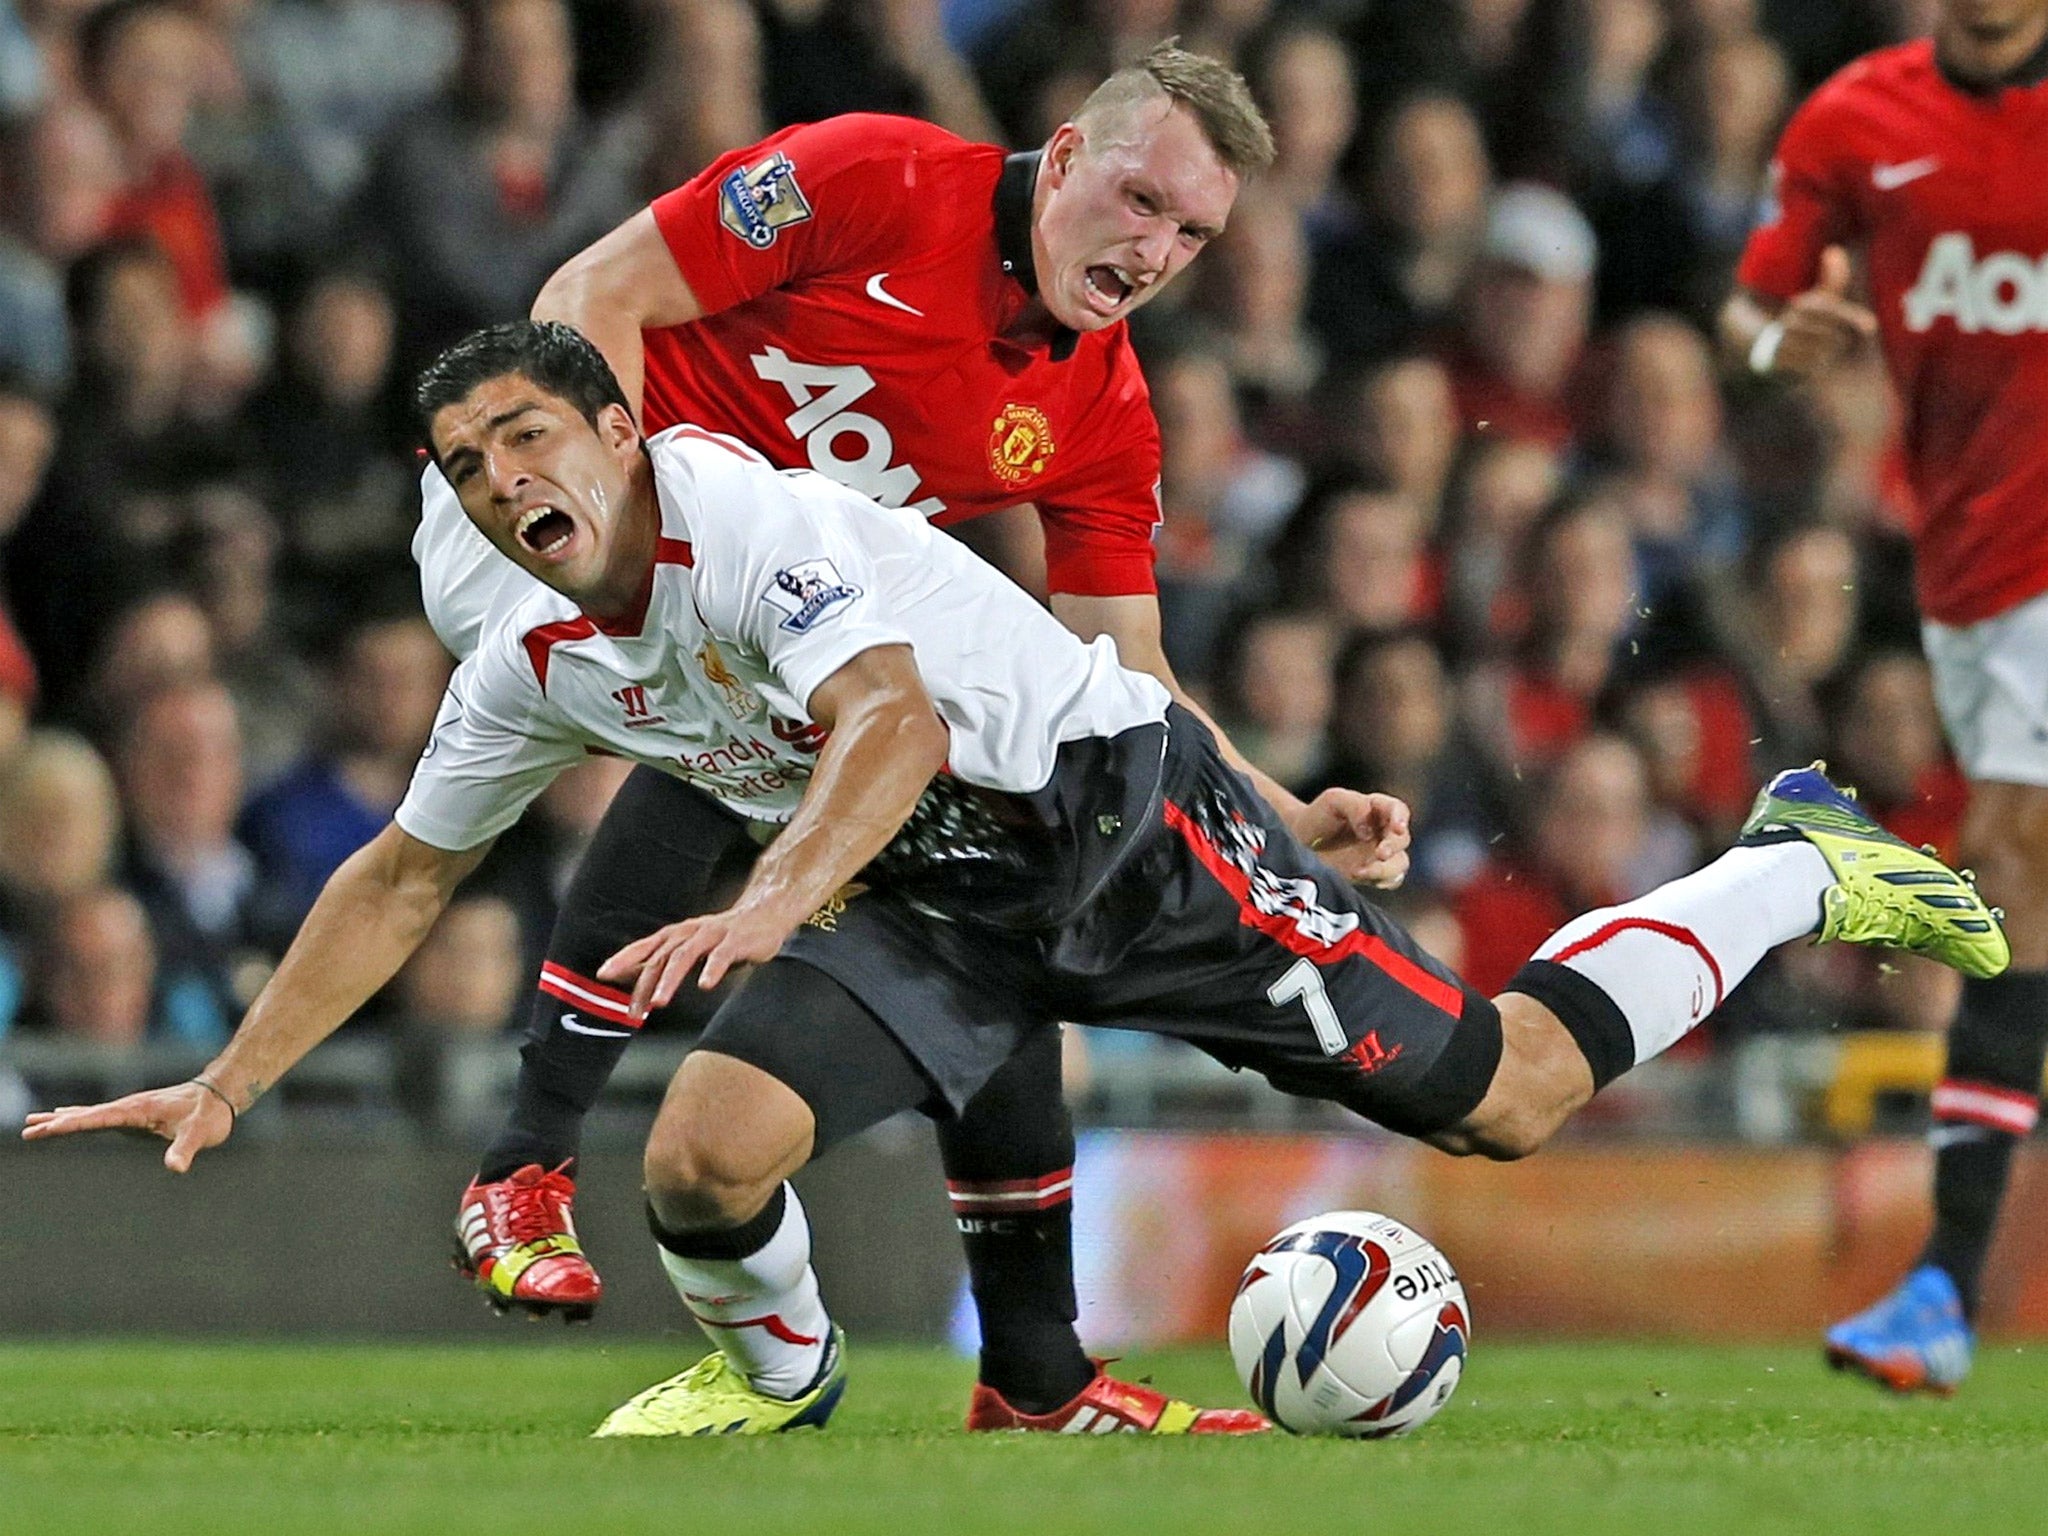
{"type": "Point", "coordinates": [1808, 208]}
{"type": "Point", "coordinates": [1099, 522]}
{"type": "Point", "coordinates": [817, 198]}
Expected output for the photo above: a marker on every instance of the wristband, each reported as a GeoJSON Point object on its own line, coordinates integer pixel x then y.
{"type": "Point", "coordinates": [1763, 352]}
{"type": "Point", "coordinates": [214, 1089]}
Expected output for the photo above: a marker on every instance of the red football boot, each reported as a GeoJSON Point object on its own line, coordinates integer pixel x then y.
{"type": "Point", "coordinates": [1107, 1406]}
{"type": "Point", "coordinates": [517, 1240]}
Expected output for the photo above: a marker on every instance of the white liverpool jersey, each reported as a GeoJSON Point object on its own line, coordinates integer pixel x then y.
{"type": "Point", "coordinates": [766, 582]}
{"type": "Point", "coordinates": [466, 585]}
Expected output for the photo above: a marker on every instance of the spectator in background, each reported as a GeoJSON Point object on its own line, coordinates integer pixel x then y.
{"type": "Point", "coordinates": [384, 689]}
{"type": "Point", "coordinates": [1356, 550]}
{"type": "Point", "coordinates": [60, 822]}
{"type": "Point", "coordinates": [1737, 89]}
{"type": "Point", "coordinates": [329, 79]}
{"type": "Point", "coordinates": [1581, 583]}
{"type": "Point", "coordinates": [1276, 694]}
{"type": "Point", "coordinates": [140, 63]}
{"type": "Point", "coordinates": [58, 176]}
{"type": "Point", "coordinates": [1301, 75]}
{"type": "Point", "coordinates": [1221, 500]}
{"type": "Point", "coordinates": [274, 690]}
{"type": "Point", "coordinates": [1694, 734]}
{"type": "Point", "coordinates": [1393, 726]}
{"type": "Point", "coordinates": [95, 971]}
{"type": "Point", "coordinates": [1596, 838]}
{"type": "Point", "coordinates": [1525, 318]}
{"type": "Point", "coordinates": [347, 498]}
{"type": "Point", "coordinates": [1398, 421]}
{"type": "Point", "coordinates": [1252, 290]}
{"type": "Point", "coordinates": [709, 95]}
{"type": "Point", "coordinates": [1790, 626]}
{"type": "Point", "coordinates": [1503, 486]}
{"type": "Point", "coordinates": [110, 516]}
{"type": "Point", "coordinates": [28, 434]}
{"type": "Point", "coordinates": [162, 639]}
{"type": "Point", "coordinates": [834, 56]}
{"type": "Point", "coordinates": [477, 199]}
{"type": "Point", "coordinates": [180, 767]}
{"type": "Point", "coordinates": [1395, 280]}
{"type": "Point", "coordinates": [468, 973]}
{"type": "Point", "coordinates": [1658, 447]}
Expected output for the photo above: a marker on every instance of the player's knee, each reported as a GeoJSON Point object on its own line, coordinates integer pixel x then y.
{"type": "Point", "coordinates": [697, 1179]}
{"type": "Point", "coordinates": [1542, 1079]}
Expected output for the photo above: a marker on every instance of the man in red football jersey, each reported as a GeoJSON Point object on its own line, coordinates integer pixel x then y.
{"type": "Point", "coordinates": [1927, 159]}
{"type": "Point", "coordinates": [940, 326]}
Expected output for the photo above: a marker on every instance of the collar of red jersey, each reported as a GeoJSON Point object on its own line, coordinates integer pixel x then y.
{"type": "Point", "coordinates": [1014, 189]}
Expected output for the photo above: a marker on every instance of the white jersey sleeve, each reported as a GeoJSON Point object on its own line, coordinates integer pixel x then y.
{"type": "Point", "coordinates": [790, 579]}
{"type": "Point", "coordinates": [497, 743]}
{"type": "Point", "coordinates": [466, 586]}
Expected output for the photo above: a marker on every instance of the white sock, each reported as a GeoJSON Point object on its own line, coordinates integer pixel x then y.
{"type": "Point", "coordinates": [763, 1310]}
{"type": "Point", "coordinates": [1667, 959]}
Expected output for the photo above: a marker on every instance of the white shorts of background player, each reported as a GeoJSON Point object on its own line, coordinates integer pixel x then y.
{"type": "Point", "coordinates": [1991, 684]}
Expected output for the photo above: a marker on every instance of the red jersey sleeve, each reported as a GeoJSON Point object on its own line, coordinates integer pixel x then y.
{"type": "Point", "coordinates": [817, 198]}
{"type": "Point", "coordinates": [1099, 523]}
{"type": "Point", "coordinates": [1809, 207]}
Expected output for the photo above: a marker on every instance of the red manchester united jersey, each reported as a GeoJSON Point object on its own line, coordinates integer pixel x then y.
{"type": "Point", "coordinates": [857, 278]}
{"type": "Point", "coordinates": [1946, 192]}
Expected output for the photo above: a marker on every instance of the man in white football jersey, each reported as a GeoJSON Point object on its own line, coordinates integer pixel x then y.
{"type": "Point", "coordinates": [1038, 833]}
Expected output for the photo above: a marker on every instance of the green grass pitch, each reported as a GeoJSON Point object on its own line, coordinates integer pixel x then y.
{"type": "Point", "coordinates": [1573, 1439]}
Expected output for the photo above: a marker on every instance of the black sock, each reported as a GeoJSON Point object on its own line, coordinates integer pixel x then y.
{"type": "Point", "coordinates": [742, 1241]}
{"type": "Point", "coordinates": [1009, 1170]}
{"type": "Point", "coordinates": [1986, 1103]}
{"type": "Point", "coordinates": [561, 1074]}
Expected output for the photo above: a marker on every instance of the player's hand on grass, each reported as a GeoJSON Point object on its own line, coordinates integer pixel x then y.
{"type": "Point", "coordinates": [190, 1116]}
{"type": "Point", "coordinates": [1823, 325]}
{"type": "Point", "coordinates": [660, 962]}
{"type": "Point", "coordinates": [1364, 837]}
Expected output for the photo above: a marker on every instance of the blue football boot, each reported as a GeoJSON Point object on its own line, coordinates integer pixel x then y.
{"type": "Point", "coordinates": [1914, 1340]}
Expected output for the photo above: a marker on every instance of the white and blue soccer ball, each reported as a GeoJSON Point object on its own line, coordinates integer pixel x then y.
{"type": "Point", "coordinates": [1350, 1323]}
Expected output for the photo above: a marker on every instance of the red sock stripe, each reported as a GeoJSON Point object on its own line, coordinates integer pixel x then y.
{"type": "Point", "coordinates": [773, 1323]}
{"type": "Point", "coordinates": [1671, 931]}
{"type": "Point", "coordinates": [592, 997]}
{"type": "Point", "coordinates": [1039, 1194]}
{"type": "Point", "coordinates": [2011, 1110]}
{"type": "Point", "coordinates": [1284, 931]}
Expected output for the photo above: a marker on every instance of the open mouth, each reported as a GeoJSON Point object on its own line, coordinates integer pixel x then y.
{"type": "Point", "coordinates": [545, 531]}
{"type": "Point", "coordinates": [1108, 286]}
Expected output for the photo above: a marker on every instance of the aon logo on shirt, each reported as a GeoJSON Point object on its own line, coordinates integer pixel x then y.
{"type": "Point", "coordinates": [2005, 292]}
{"type": "Point", "coordinates": [823, 423]}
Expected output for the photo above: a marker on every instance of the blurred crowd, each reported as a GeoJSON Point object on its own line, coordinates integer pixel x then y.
{"type": "Point", "coordinates": [1457, 502]}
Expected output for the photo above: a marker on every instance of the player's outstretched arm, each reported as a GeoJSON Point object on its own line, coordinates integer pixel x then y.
{"type": "Point", "coordinates": [615, 288]}
{"type": "Point", "coordinates": [1364, 837]}
{"type": "Point", "coordinates": [371, 915]}
{"type": "Point", "coordinates": [1804, 337]}
{"type": "Point", "coordinates": [886, 742]}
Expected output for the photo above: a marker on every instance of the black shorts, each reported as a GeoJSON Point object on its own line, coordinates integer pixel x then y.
{"type": "Point", "coordinates": [1219, 929]}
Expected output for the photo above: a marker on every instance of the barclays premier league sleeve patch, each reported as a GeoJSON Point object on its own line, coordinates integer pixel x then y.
{"type": "Point", "coordinates": [808, 593]}
{"type": "Point", "coordinates": [757, 202]}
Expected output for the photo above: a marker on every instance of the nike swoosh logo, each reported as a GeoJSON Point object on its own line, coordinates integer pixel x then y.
{"type": "Point", "coordinates": [1889, 178]}
{"type": "Point", "coordinates": [882, 296]}
{"type": "Point", "coordinates": [568, 1022]}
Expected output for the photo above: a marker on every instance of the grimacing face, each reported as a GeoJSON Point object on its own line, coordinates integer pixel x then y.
{"type": "Point", "coordinates": [547, 487]}
{"type": "Point", "coordinates": [1122, 206]}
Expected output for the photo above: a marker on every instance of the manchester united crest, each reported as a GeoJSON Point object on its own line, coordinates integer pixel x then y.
{"type": "Point", "coordinates": [1020, 444]}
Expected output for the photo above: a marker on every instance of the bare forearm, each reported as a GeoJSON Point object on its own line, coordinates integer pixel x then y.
{"type": "Point", "coordinates": [370, 917]}
{"type": "Point", "coordinates": [576, 296]}
{"type": "Point", "coordinates": [868, 779]}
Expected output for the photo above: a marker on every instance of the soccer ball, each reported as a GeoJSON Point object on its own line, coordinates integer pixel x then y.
{"type": "Point", "coordinates": [1350, 1324]}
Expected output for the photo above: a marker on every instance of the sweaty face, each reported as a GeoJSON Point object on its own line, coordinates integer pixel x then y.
{"type": "Point", "coordinates": [539, 481]}
{"type": "Point", "coordinates": [1124, 204]}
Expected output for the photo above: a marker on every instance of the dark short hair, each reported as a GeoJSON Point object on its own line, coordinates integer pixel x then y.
{"type": "Point", "coordinates": [558, 358]}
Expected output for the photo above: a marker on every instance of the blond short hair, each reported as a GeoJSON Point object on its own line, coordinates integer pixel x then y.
{"type": "Point", "coordinates": [1210, 89]}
